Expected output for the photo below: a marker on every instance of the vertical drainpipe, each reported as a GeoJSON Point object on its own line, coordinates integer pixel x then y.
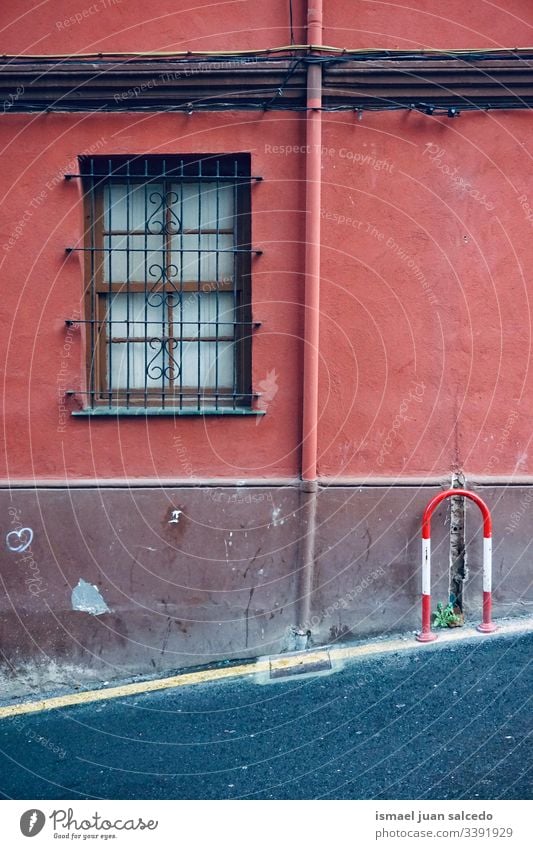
{"type": "Point", "coordinates": [313, 179]}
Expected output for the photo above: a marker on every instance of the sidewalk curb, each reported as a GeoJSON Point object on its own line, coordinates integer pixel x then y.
{"type": "Point", "coordinates": [262, 668]}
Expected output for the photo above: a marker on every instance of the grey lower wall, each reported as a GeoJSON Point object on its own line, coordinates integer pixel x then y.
{"type": "Point", "coordinates": [223, 580]}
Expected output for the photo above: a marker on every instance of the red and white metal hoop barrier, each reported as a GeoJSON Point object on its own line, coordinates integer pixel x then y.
{"type": "Point", "coordinates": [426, 635]}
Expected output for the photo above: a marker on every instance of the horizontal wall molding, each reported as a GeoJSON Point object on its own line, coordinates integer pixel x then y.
{"type": "Point", "coordinates": [147, 483]}
{"type": "Point", "coordinates": [255, 82]}
{"type": "Point", "coordinates": [239, 483]}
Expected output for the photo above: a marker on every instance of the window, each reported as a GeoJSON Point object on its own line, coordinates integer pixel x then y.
{"type": "Point", "coordinates": [167, 259]}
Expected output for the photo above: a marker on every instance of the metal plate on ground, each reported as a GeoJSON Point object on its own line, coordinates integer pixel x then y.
{"type": "Point", "coordinates": [297, 664]}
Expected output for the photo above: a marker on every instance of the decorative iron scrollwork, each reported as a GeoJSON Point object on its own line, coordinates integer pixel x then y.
{"type": "Point", "coordinates": [165, 275]}
{"type": "Point", "coordinates": [163, 220]}
{"type": "Point", "coordinates": [163, 347]}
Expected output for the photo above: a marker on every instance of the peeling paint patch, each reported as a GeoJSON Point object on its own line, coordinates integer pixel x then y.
{"type": "Point", "coordinates": [86, 597]}
{"type": "Point", "coordinates": [276, 517]}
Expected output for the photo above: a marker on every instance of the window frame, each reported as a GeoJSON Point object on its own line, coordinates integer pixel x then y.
{"type": "Point", "coordinates": [98, 173]}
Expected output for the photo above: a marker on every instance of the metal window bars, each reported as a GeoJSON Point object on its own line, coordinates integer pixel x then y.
{"type": "Point", "coordinates": [168, 260]}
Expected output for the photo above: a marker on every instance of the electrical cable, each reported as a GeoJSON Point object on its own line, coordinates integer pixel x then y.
{"type": "Point", "coordinates": [291, 22]}
{"type": "Point", "coordinates": [477, 53]}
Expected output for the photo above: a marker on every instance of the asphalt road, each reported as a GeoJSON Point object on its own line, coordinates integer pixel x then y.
{"type": "Point", "coordinates": [434, 723]}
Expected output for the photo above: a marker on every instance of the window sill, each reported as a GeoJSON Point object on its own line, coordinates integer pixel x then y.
{"type": "Point", "coordinates": [165, 411]}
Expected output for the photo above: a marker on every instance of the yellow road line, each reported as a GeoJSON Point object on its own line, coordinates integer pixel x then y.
{"type": "Point", "coordinates": [189, 678]}
{"type": "Point", "coordinates": [88, 696]}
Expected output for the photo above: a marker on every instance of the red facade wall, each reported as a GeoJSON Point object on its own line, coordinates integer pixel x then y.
{"type": "Point", "coordinates": [395, 24]}
{"type": "Point", "coordinates": [132, 25]}
{"type": "Point", "coordinates": [426, 251]}
{"type": "Point", "coordinates": [425, 266]}
{"type": "Point", "coordinates": [106, 26]}
{"type": "Point", "coordinates": [45, 287]}
{"type": "Point", "coordinates": [427, 285]}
